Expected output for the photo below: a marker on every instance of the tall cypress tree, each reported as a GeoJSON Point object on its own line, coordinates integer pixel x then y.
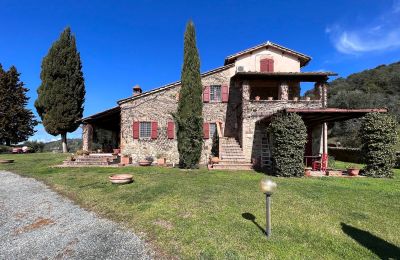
{"type": "Point", "coordinates": [62, 92]}
{"type": "Point", "coordinates": [189, 118]}
{"type": "Point", "coordinates": [17, 123]}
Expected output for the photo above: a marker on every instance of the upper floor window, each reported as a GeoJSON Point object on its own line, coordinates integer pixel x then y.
{"type": "Point", "coordinates": [215, 93]}
{"type": "Point", "coordinates": [267, 65]}
{"type": "Point", "coordinates": [145, 129]}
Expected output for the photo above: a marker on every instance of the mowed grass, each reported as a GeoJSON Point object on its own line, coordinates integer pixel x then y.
{"type": "Point", "coordinates": [198, 213]}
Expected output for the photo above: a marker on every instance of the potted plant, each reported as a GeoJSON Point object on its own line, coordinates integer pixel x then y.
{"type": "Point", "coordinates": [257, 98]}
{"type": "Point", "coordinates": [116, 151]}
{"type": "Point", "coordinates": [307, 171]}
{"type": "Point", "coordinates": [126, 158]}
{"type": "Point", "coordinates": [296, 99]}
{"type": "Point", "coordinates": [353, 170]}
{"type": "Point", "coordinates": [161, 159]}
{"type": "Point", "coordinates": [270, 98]}
{"type": "Point", "coordinates": [147, 161]}
{"type": "Point", "coordinates": [308, 98]}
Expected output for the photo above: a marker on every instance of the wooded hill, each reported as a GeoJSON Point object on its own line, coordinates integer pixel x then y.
{"type": "Point", "coordinates": [373, 88]}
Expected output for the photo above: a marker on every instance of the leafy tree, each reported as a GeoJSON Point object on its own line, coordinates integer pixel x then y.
{"type": "Point", "coordinates": [188, 117]}
{"type": "Point", "coordinates": [62, 92]}
{"type": "Point", "coordinates": [289, 135]}
{"type": "Point", "coordinates": [379, 137]}
{"type": "Point", "coordinates": [17, 123]}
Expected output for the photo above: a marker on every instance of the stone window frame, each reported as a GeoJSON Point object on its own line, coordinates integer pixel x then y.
{"type": "Point", "coordinates": [214, 97]}
{"type": "Point", "coordinates": [148, 131]}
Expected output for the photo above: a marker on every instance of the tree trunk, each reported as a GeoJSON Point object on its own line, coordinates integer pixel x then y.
{"type": "Point", "coordinates": [64, 142]}
{"type": "Point", "coordinates": [8, 142]}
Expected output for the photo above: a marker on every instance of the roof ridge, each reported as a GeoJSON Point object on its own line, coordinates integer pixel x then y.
{"type": "Point", "coordinates": [229, 59]}
{"type": "Point", "coordinates": [172, 84]}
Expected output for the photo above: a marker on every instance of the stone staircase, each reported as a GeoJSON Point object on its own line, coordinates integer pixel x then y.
{"type": "Point", "coordinates": [232, 157]}
{"type": "Point", "coordinates": [94, 160]}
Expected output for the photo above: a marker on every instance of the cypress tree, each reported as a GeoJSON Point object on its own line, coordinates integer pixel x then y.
{"type": "Point", "coordinates": [62, 92]}
{"type": "Point", "coordinates": [189, 118]}
{"type": "Point", "coordinates": [17, 123]}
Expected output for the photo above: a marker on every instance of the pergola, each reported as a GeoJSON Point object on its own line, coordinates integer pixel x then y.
{"type": "Point", "coordinates": [322, 116]}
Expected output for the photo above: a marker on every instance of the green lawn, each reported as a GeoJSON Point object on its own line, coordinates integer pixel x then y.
{"type": "Point", "coordinates": [198, 213]}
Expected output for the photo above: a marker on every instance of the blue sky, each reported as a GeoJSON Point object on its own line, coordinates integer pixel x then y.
{"type": "Point", "coordinates": [123, 43]}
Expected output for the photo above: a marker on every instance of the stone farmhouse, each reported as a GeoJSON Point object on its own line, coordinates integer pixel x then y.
{"type": "Point", "coordinates": [239, 99]}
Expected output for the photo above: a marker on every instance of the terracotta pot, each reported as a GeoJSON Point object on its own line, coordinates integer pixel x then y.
{"type": "Point", "coordinates": [307, 172]}
{"type": "Point", "coordinates": [126, 160]}
{"type": "Point", "coordinates": [116, 151]}
{"type": "Point", "coordinates": [121, 178]}
{"type": "Point", "coordinates": [353, 171]}
{"type": "Point", "coordinates": [270, 98]}
{"type": "Point", "coordinates": [161, 161]}
{"type": "Point", "coordinates": [257, 98]}
{"type": "Point", "coordinates": [215, 160]}
{"type": "Point", "coordinates": [6, 161]}
{"type": "Point", "coordinates": [144, 163]}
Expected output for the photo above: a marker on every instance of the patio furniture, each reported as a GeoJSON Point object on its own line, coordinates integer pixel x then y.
{"type": "Point", "coordinates": [322, 164]}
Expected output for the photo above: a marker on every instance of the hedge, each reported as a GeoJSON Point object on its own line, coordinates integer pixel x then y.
{"type": "Point", "coordinates": [289, 135]}
{"type": "Point", "coordinates": [379, 138]}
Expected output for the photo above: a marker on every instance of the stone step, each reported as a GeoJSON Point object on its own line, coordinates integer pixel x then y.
{"type": "Point", "coordinates": [75, 163]}
{"type": "Point", "coordinates": [237, 166]}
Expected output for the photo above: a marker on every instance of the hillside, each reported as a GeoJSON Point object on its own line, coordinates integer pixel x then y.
{"type": "Point", "coordinates": [73, 145]}
{"type": "Point", "coordinates": [378, 87]}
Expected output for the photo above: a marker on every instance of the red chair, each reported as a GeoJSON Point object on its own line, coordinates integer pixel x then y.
{"type": "Point", "coordinates": [322, 164]}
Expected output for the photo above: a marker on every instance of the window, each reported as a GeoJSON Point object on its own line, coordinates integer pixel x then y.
{"type": "Point", "coordinates": [145, 129]}
{"type": "Point", "coordinates": [213, 129]}
{"type": "Point", "coordinates": [215, 93]}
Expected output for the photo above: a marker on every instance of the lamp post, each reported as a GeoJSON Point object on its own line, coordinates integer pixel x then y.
{"type": "Point", "coordinates": [268, 187]}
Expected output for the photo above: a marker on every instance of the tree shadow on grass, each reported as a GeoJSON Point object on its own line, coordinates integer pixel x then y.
{"type": "Point", "coordinates": [252, 218]}
{"type": "Point", "coordinates": [378, 246]}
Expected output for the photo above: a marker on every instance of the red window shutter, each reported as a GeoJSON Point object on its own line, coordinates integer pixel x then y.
{"type": "Point", "coordinates": [171, 130]}
{"type": "Point", "coordinates": [225, 93]}
{"type": "Point", "coordinates": [135, 128]}
{"type": "Point", "coordinates": [206, 130]}
{"type": "Point", "coordinates": [154, 132]}
{"type": "Point", "coordinates": [271, 65]}
{"type": "Point", "coordinates": [266, 65]}
{"type": "Point", "coordinates": [206, 94]}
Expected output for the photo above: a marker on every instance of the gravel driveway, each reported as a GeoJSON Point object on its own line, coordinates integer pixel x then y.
{"type": "Point", "coordinates": [37, 223]}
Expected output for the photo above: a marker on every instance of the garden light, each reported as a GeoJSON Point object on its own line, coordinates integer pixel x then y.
{"type": "Point", "coordinates": [268, 187]}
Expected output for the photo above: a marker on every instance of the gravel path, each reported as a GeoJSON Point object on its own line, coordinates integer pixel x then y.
{"type": "Point", "coordinates": [37, 223]}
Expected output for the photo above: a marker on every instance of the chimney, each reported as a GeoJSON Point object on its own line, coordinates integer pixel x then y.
{"type": "Point", "coordinates": [137, 90]}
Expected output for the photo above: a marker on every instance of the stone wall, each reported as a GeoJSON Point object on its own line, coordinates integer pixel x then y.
{"type": "Point", "coordinates": [253, 111]}
{"type": "Point", "coordinates": [159, 107]}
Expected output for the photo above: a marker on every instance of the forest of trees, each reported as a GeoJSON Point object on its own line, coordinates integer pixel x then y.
{"type": "Point", "coordinates": [374, 88]}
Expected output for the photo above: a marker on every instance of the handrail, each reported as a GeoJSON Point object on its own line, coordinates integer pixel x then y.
{"type": "Point", "coordinates": [219, 132]}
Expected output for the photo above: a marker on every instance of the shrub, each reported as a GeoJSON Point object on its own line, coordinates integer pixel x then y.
{"type": "Point", "coordinates": [379, 138]}
{"type": "Point", "coordinates": [36, 147]}
{"type": "Point", "coordinates": [82, 152]}
{"type": "Point", "coordinates": [5, 149]}
{"type": "Point", "coordinates": [289, 135]}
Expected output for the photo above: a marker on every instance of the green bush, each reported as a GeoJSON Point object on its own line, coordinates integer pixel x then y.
{"type": "Point", "coordinates": [35, 146]}
{"type": "Point", "coordinates": [5, 149]}
{"type": "Point", "coordinates": [289, 136]}
{"type": "Point", "coordinates": [379, 138]}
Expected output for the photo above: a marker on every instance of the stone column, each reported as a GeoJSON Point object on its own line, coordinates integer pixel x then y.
{"type": "Point", "coordinates": [87, 137]}
{"type": "Point", "coordinates": [245, 91]}
{"type": "Point", "coordinates": [283, 93]}
{"type": "Point", "coordinates": [322, 92]}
